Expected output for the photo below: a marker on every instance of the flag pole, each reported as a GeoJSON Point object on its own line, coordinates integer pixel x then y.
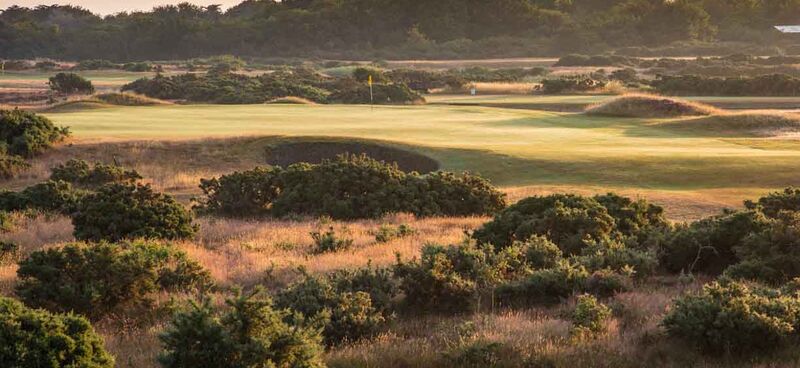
{"type": "Point", "coordinates": [371, 100]}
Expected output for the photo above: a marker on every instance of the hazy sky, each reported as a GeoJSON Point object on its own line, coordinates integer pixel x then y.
{"type": "Point", "coordinates": [113, 6]}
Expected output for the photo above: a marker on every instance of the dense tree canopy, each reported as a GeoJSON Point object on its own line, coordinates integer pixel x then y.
{"type": "Point", "coordinates": [382, 27]}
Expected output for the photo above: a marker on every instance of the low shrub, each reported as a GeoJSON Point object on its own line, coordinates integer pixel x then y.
{"type": "Point", "coordinates": [249, 332]}
{"type": "Point", "coordinates": [694, 85]}
{"type": "Point", "coordinates": [772, 254]}
{"type": "Point", "coordinates": [119, 211]}
{"type": "Point", "coordinates": [50, 196]}
{"type": "Point", "coordinates": [71, 83]}
{"type": "Point", "coordinates": [707, 245]}
{"type": "Point", "coordinates": [329, 241]}
{"type": "Point", "coordinates": [387, 233]}
{"type": "Point", "coordinates": [80, 172]}
{"type": "Point", "coordinates": [346, 315]}
{"type": "Point", "coordinates": [391, 93]}
{"type": "Point", "coordinates": [27, 134]}
{"type": "Point", "coordinates": [570, 221]}
{"type": "Point", "coordinates": [571, 84]}
{"type": "Point", "coordinates": [734, 317]}
{"type": "Point", "coordinates": [347, 187]}
{"type": "Point", "coordinates": [617, 257]}
{"type": "Point", "coordinates": [545, 286]}
{"type": "Point", "coordinates": [11, 166]}
{"type": "Point", "coordinates": [36, 338]}
{"type": "Point", "coordinates": [541, 253]}
{"type": "Point", "coordinates": [590, 316]}
{"type": "Point", "coordinates": [479, 354]}
{"type": "Point", "coordinates": [606, 282]}
{"type": "Point", "coordinates": [95, 64]}
{"type": "Point", "coordinates": [96, 280]}
{"type": "Point", "coordinates": [379, 283]}
{"type": "Point", "coordinates": [773, 203]}
{"type": "Point", "coordinates": [448, 279]}
{"type": "Point", "coordinates": [137, 67]}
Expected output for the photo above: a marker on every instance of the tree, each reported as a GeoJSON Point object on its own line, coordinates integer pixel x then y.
{"type": "Point", "coordinates": [71, 83]}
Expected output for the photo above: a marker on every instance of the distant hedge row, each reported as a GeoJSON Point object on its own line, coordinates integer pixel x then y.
{"type": "Point", "coordinates": [764, 85]}
{"type": "Point", "coordinates": [347, 187]}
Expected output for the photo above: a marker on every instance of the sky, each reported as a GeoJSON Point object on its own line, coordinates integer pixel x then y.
{"type": "Point", "coordinates": [106, 7]}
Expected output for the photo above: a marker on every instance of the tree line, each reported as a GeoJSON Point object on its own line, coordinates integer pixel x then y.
{"type": "Point", "coordinates": [384, 27]}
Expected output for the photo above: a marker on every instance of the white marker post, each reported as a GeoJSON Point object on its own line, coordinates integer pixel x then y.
{"type": "Point", "coordinates": [371, 100]}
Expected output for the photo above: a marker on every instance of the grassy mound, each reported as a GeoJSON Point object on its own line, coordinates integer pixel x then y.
{"type": "Point", "coordinates": [285, 154]}
{"type": "Point", "coordinates": [291, 100]}
{"type": "Point", "coordinates": [649, 106]}
{"type": "Point", "coordinates": [128, 99]}
{"type": "Point", "coordinates": [77, 105]}
{"type": "Point", "coordinates": [740, 124]}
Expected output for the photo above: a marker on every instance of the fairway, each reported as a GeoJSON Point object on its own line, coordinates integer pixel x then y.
{"type": "Point", "coordinates": [513, 147]}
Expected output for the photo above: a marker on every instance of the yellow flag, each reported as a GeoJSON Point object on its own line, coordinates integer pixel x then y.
{"type": "Point", "coordinates": [369, 80]}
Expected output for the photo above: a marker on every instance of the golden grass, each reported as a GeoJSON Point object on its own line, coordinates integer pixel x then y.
{"type": "Point", "coordinates": [649, 106]}
{"type": "Point", "coordinates": [503, 88]}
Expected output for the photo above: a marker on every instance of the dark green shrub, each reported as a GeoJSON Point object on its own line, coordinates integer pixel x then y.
{"type": "Point", "coordinates": [45, 65]}
{"type": "Point", "coordinates": [79, 172]}
{"type": "Point", "coordinates": [137, 67]}
{"type": "Point", "coordinates": [10, 166]}
{"type": "Point", "coordinates": [694, 85]}
{"type": "Point", "coordinates": [347, 316]}
{"type": "Point", "coordinates": [544, 286]}
{"type": "Point", "coordinates": [540, 252]}
{"type": "Point", "coordinates": [708, 245]}
{"type": "Point", "coordinates": [633, 218]}
{"type": "Point", "coordinates": [605, 283]}
{"type": "Point", "coordinates": [120, 211]}
{"type": "Point", "coordinates": [387, 233]}
{"type": "Point", "coordinates": [6, 221]}
{"type": "Point", "coordinates": [248, 193]}
{"type": "Point", "coordinates": [771, 255]}
{"type": "Point", "coordinates": [96, 280]}
{"type": "Point", "coordinates": [734, 317]}
{"type": "Point", "coordinates": [448, 279]}
{"type": "Point", "coordinates": [50, 196]}
{"type": "Point", "coordinates": [358, 93]}
{"type": "Point", "coordinates": [70, 83]}
{"type": "Point", "coordinates": [8, 253]}
{"type": "Point", "coordinates": [590, 316]}
{"type": "Point", "coordinates": [328, 241]}
{"type": "Point", "coordinates": [32, 338]}
{"type": "Point", "coordinates": [445, 193]}
{"type": "Point", "coordinates": [248, 333]}
{"type": "Point", "coordinates": [571, 84]}
{"type": "Point", "coordinates": [616, 256]}
{"type": "Point", "coordinates": [95, 64]}
{"type": "Point", "coordinates": [773, 203]}
{"type": "Point", "coordinates": [362, 74]}
{"type": "Point", "coordinates": [348, 187]}
{"type": "Point", "coordinates": [570, 221]}
{"type": "Point", "coordinates": [379, 283]}
{"type": "Point", "coordinates": [27, 134]}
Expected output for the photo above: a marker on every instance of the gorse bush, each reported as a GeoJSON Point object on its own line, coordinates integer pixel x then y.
{"type": "Point", "coordinates": [774, 203]}
{"type": "Point", "coordinates": [27, 134]}
{"type": "Point", "coordinates": [569, 84]}
{"type": "Point", "coordinates": [119, 211]}
{"type": "Point", "coordinates": [694, 85]}
{"type": "Point", "coordinates": [96, 280]}
{"type": "Point", "coordinates": [32, 338]}
{"type": "Point", "coordinates": [772, 254]}
{"type": "Point", "coordinates": [80, 172]}
{"type": "Point", "coordinates": [735, 317]}
{"type": "Point", "coordinates": [249, 332]}
{"type": "Point", "coordinates": [329, 241]}
{"type": "Point", "coordinates": [449, 279]}
{"type": "Point", "coordinates": [544, 286]}
{"type": "Point", "coordinates": [346, 315]}
{"type": "Point", "coordinates": [590, 316]}
{"type": "Point", "coordinates": [348, 187]}
{"type": "Point", "coordinates": [11, 166]}
{"type": "Point", "coordinates": [49, 196]}
{"type": "Point", "coordinates": [70, 83]}
{"type": "Point", "coordinates": [570, 221]}
{"type": "Point", "coordinates": [359, 93]}
{"type": "Point", "coordinates": [387, 233]}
